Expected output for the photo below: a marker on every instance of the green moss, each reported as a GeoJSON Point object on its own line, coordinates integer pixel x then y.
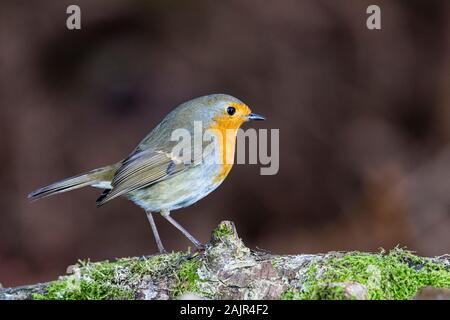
{"type": "Point", "coordinates": [396, 275]}
{"type": "Point", "coordinates": [107, 280]}
{"type": "Point", "coordinates": [187, 278]}
{"type": "Point", "coordinates": [291, 294]}
{"type": "Point", "coordinates": [223, 231]}
{"type": "Point", "coordinates": [328, 292]}
{"type": "Point", "coordinates": [276, 261]}
{"type": "Point", "coordinates": [322, 292]}
{"type": "Point", "coordinates": [119, 279]}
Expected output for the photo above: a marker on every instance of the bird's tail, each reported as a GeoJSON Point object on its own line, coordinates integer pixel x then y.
{"type": "Point", "coordinates": [101, 178]}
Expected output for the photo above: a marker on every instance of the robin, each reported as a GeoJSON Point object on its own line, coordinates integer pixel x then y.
{"type": "Point", "coordinates": [160, 180]}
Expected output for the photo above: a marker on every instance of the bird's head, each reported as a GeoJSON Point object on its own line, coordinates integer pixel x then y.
{"type": "Point", "coordinates": [223, 111]}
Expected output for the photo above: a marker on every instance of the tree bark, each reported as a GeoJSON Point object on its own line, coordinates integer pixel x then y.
{"type": "Point", "coordinates": [227, 269]}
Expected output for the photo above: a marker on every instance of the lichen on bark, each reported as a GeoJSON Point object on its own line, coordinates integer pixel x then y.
{"type": "Point", "coordinates": [227, 269]}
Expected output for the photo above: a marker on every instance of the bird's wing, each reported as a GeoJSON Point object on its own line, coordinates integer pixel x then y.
{"type": "Point", "coordinates": [140, 170]}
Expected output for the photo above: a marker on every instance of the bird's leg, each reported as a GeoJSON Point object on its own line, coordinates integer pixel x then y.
{"type": "Point", "coordinates": [155, 232]}
{"type": "Point", "coordinates": [166, 215]}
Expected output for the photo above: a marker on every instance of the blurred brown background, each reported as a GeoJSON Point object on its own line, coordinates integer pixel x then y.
{"type": "Point", "coordinates": [364, 119]}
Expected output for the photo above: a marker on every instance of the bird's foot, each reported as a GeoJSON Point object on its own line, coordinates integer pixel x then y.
{"type": "Point", "coordinates": [200, 248]}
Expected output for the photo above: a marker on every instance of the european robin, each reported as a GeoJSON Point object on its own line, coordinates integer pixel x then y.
{"type": "Point", "coordinates": [157, 178]}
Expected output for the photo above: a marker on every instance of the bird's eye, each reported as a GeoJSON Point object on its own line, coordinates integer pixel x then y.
{"type": "Point", "coordinates": [231, 110]}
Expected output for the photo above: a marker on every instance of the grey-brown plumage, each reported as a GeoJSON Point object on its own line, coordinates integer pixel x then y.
{"type": "Point", "coordinates": [153, 176]}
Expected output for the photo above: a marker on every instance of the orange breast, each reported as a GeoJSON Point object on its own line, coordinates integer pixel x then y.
{"type": "Point", "coordinates": [226, 129]}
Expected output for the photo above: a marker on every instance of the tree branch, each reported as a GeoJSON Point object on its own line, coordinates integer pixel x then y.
{"type": "Point", "coordinates": [227, 269]}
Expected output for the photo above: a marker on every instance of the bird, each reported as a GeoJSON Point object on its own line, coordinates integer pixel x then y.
{"type": "Point", "coordinates": [160, 179]}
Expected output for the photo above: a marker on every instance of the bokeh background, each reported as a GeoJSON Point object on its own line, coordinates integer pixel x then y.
{"type": "Point", "coordinates": [364, 119]}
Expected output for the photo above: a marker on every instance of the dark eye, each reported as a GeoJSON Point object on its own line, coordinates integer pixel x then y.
{"type": "Point", "coordinates": [231, 110]}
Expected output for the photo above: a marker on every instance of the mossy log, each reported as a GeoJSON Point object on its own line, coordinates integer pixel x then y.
{"type": "Point", "coordinates": [227, 269]}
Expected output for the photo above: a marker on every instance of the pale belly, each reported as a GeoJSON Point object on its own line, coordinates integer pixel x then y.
{"type": "Point", "coordinates": [179, 191]}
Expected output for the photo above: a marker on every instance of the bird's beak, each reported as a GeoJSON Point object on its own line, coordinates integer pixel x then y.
{"type": "Point", "coordinates": [256, 117]}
